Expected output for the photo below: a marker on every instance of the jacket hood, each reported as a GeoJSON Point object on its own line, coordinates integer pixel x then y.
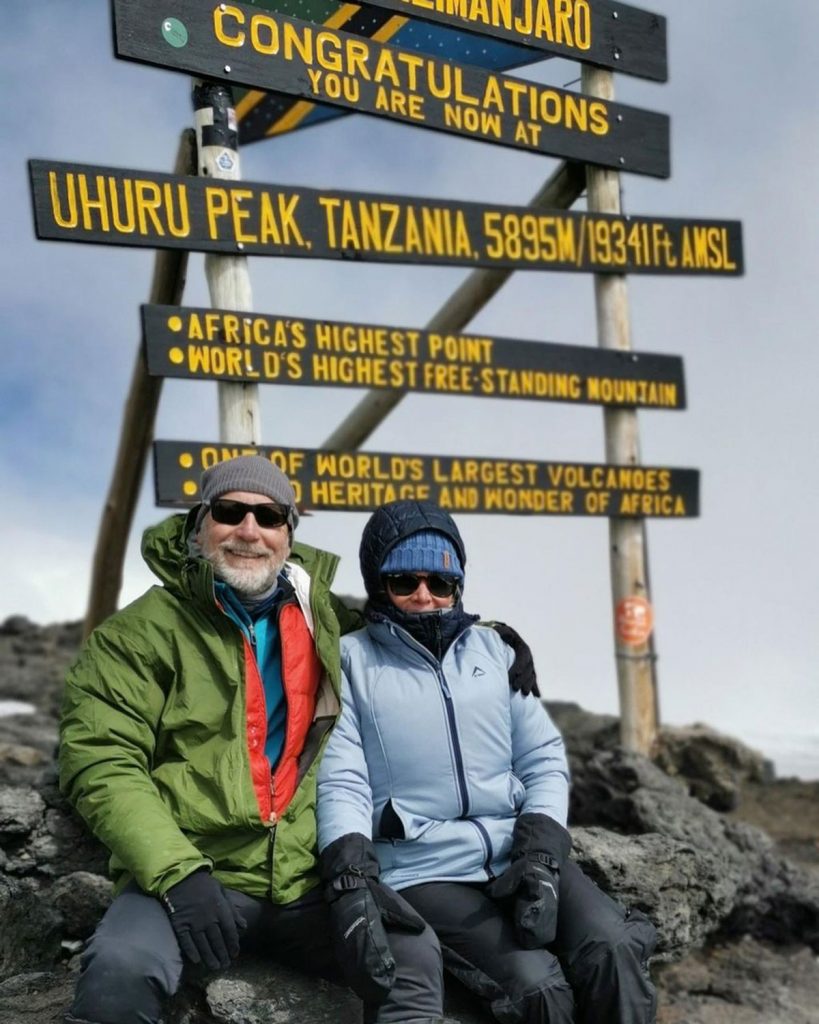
{"type": "Point", "coordinates": [390, 524]}
{"type": "Point", "coordinates": [165, 551]}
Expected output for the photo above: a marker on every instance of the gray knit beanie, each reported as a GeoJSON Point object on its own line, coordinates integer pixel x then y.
{"type": "Point", "coordinates": [252, 473]}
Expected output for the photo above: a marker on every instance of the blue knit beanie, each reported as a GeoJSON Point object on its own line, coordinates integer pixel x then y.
{"type": "Point", "coordinates": [425, 551]}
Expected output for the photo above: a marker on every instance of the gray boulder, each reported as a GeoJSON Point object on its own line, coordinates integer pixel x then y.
{"type": "Point", "coordinates": [30, 928]}
{"type": "Point", "coordinates": [754, 890]}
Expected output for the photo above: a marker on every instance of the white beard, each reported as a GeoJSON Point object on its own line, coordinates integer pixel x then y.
{"type": "Point", "coordinates": [251, 580]}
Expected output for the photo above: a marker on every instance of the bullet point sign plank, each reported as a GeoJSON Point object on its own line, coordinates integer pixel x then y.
{"type": "Point", "coordinates": [361, 481]}
{"type": "Point", "coordinates": [210, 344]}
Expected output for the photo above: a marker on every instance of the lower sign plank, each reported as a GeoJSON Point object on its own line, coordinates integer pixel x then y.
{"type": "Point", "coordinates": [211, 344]}
{"type": "Point", "coordinates": [265, 50]}
{"type": "Point", "coordinates": [361, 481]}
{"type": "Point", "coordinates": [81, 203]}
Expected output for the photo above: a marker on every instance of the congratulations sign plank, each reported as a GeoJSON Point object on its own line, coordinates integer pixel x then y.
{"type": "Point", "coordinates": [361, 481]}
{"type": "Point", "coordinates": [210, 344]}
{"type": "Point", "coordinates": [611, 35]}
{"type": "Point", "coordinates": [80, 203]}
{"type": "Point", "coordinates": [236, 43]}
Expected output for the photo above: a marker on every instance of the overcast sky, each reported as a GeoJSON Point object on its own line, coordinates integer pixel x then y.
{"type": "Point", "coordinates": [735, 591]}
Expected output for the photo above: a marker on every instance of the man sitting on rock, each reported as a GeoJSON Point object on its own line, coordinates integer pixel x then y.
{"type": "Point", "coordinates": [192, 726]}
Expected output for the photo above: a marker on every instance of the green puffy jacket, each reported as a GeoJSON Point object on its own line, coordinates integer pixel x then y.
{"type": "Point", "coordinates": [153, 750]}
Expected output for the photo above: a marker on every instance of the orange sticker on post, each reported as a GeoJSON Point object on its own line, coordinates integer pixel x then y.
{"type": "Point", "coordinates": [633, 621]}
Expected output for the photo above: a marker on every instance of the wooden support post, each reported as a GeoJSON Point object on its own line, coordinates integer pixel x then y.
{"type": "Point", "coordinates": [633, 614]}
{"type": "Point", "coordinates": [559, 192]}
{"type": "Point", "coordinates": [228, 277]}
{"type": "Point", "coordinates": [136, 432]}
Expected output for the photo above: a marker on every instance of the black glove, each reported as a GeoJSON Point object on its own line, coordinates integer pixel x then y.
{"type": "Point", "coordinates": [204, 920]}
{"type": "Point", "coordinates": [539, 847]}
{"type": "Point", "coordinates": [522, 675]}
{"type": "Point", "coordinates": [360, 907]}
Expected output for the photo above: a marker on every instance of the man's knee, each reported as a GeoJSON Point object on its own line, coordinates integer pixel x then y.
{"type": "Point", "coordinates": [123, 981]}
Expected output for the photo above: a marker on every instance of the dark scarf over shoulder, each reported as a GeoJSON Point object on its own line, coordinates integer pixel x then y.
{"type": "Point", "coordinates": [435, 630]}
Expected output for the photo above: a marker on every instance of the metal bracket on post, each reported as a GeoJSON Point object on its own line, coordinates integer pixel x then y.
{"type": "Point", "coordinates": [217, 143]}
{"type": "Point", "coordinates": [632, 611]}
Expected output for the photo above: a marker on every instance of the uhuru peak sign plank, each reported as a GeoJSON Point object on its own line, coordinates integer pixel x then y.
{"type": "Point", "coordinates": [80, 203]}
{"type": "Point", "coordinates": [236, 43]}
{"type": "Point", "coordinates": [611, 35]}
{"type": "Point", "coordinates": [361, 481]}
{"type": "Point", "coordinates": [211, 344]}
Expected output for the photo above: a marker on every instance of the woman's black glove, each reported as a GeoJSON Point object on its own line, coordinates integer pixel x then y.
{"type": "Point", "coordinates": [522, 675]}
{"type": "Point", "coordinates": [360, 908]}
{"type": "Point", "coordinates": [204, 920]}
{"type": "Point", "coordinates": [539, 847]}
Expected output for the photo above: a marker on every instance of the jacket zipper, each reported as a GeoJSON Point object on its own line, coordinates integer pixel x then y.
{"type": "Point", "coordinates": [460, 773]}
{"type": "Point", "coordinates": [487, 842]}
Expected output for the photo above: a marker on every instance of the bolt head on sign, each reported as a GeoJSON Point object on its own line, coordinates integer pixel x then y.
{"type": "Point", "coordinates": [634, 621]}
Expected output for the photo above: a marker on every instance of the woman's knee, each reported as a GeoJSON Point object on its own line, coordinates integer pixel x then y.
{"type": "Point", "coordinates": [625, 943]}
{"type": "Point", "coordinates": [537, 994]}
{"type": "Point", "coordinates": [609, 973]}
{"type": "Point", "coordinates": [418, 990]}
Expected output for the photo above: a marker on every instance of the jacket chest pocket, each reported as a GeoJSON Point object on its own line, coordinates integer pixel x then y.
{"type": "Point", "coordinates": [409, 725]}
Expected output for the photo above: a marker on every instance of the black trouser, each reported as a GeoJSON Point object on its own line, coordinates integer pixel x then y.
{"type": "Point", "coordinates": [594, 972]}
{"type": "Point", "coordinates": [133, 964]}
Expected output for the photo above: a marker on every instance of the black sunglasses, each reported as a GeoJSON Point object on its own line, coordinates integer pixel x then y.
{"type": "Point", "coordinates": [230, 513]}
{"type": "Point", "coordinates": [402, 584]}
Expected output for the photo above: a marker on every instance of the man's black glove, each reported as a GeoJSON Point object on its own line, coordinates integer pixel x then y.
{"type": "Point", "coordinates": [204, 920]}
{"type": "Point", "coordinates": [522, 675]}
{"type": "Point", "coordinates": [539, 847]}
{"type": "Point", "coordinates": [360, 907]}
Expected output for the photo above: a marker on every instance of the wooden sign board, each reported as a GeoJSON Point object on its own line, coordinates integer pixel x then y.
{"type": "Point", "coordinates": [81, 203]}
{"type": "Point", "coordinates": [264, 348]}
{"type": "Point", "coordinates": [361, 481]}
{"type": "Point", "coordinates": [265, 50]}
{"type": "Point", "coordinates": [262, 115]}
{"type": "Point", "coordinates": [610, 35]}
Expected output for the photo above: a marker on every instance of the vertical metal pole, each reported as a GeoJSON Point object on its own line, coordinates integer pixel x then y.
{"type": "Point", "coordinates": [633, 614]}
{"type": "Point", "coordinates": [217, 142]}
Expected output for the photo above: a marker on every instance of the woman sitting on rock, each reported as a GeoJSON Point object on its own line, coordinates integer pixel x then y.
{"type": "Point", "coordinates": [442, 784]}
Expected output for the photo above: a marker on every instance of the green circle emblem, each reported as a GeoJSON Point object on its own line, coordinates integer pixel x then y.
{"type": "Point", "coordinates": [174, 32]}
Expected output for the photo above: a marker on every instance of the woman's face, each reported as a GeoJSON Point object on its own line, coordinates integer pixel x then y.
{"type": "Point", "coordinates": [421, 599]}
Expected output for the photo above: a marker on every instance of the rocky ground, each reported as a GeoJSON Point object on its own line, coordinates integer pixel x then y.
{"type": "Point", "coordinates": [737, 908]}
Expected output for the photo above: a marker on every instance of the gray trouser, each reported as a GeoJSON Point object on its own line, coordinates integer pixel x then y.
{"type": "Point", "coordinates": [132, 965]}
{"type": "Point", "coordinates": [595, 972]}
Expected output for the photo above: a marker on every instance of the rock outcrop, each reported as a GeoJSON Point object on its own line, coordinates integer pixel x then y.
{"type": "Point", "coordinates": [650, 833]}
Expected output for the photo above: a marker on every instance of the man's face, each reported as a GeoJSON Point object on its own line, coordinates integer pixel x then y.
{"type": "Point", "coordinates": [247, 556]}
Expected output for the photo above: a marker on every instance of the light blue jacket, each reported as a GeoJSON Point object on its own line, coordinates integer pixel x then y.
{"type": "Point", "coordinates": [443, 752]}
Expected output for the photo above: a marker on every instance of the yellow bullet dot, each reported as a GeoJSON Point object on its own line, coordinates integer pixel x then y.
{"type": "Point", "coordinates": [189, 487]}
{"type": "Point", "coordinates": [175, 323]}
{"type": "Point", "coordinates": [186, 460]}
{"type": "Point", "coordinates": [176, 355]}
